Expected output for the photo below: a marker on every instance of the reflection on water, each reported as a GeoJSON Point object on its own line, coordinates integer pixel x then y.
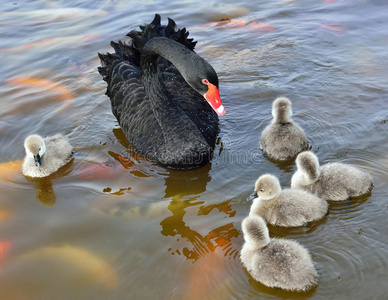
{"type": "Point", "coordinates": [199, 244]}
{"type": "Point", "coordinates": [179, 185]}
{"type": "Point", "coordinates": [312, 228]}
{"type": "Point", "coordinates": [44, 189]}
{"type": "Point", "coordinates": [129, 158]}
{"type": "Point", "coordinates": [348, 209]}
{"type": "Point", "coordinates": [260, 289]}
{"type": "Point", "coordinates": [45, 192]}
{"type": "Point", "coordinates": [191, 182]}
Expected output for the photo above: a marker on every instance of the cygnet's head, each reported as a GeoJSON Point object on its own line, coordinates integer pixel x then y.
{"type": "Point", "coordinates": [267, 187]}
{"type": "Point", "coordinates": [308, 164]}
{"type": "Point", "coordinates": [255, 230]}
{"type": "Point", "coordinates": [282, 110]}
{"type": "Point", "coordinates": [35, 148]}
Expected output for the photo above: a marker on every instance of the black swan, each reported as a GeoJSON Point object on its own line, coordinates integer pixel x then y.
{"type": "Point", "coordinates": [164, 95]}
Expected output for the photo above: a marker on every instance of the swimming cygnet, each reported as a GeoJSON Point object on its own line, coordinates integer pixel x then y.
{"type": "Point", "coordinates": [288, 207]}
{"type": "Point", "coordinates": [282, 139]}
{"type": "Point", "coordinates": [45, 156]}
{"type": "Point", "coordinates": [332, 181]}
{"type": "Point", "coordinates": [278, 263]}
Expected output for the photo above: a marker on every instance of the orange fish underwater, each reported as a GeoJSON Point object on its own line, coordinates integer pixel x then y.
{"type": "Point", "coordinates": [10, 169]}
{"type": "Point", "coordinates": [333, 27]}
{"type": "Point", "coordinates": [5, 246]}
{"type": "Point", "coordinates": [100, 170]}
{"type": "Point", "coordinates": [4, 214]}
{"type": "Point", "coordinates": [71, 40]}
{"type": "Point", "coordinates": [243, 23]}
{"type": "Point", "coordinates": [42, 84]}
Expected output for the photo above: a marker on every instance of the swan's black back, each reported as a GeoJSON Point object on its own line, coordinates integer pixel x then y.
{"type": "Point", "coordinates": [130, 103]}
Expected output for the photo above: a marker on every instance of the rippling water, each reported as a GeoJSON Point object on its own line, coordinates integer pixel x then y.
{"type": "Point", "coordinates": [112, 225]}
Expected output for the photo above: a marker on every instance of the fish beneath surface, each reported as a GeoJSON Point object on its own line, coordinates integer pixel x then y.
{"type": "Point", "coordinates": [90, 267]}
{"type": "Point", "coordinates": [57, 42]}
{"type": "Point", "coordinates": [43, 85]}
{"type": "Point", "coordinates": [10, 169]}
{"type": "Point", "coordinates": [5, 246]}
{"type": "Point", "coordinates": [242, 23]}
{"type": "Point", "coordinates": [53, 15]}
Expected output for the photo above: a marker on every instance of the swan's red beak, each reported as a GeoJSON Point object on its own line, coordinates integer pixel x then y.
{"type": "Point", "coordinates": [212, 96]}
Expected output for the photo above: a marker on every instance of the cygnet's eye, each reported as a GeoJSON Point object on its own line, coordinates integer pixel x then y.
{"type": "Point", "coordinates": [39, 149]}
{"type": "Point", "coordinates": [262, 190]}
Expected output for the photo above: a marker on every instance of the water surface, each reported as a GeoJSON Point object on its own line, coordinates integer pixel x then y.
{"type": "Point", "coordinates": [112, 225]}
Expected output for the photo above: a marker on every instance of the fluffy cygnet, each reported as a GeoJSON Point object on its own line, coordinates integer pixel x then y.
{"type": "Point", "coordinates": [45, 156]}
{"type": "Point", "coordinates": [288, 207]}
{"type": "Point", "coordinates": [332, 181]}
{"type": "Point", "coordinates": [275, 262]}
{"type": "Point", "coordinates": [282, 139]}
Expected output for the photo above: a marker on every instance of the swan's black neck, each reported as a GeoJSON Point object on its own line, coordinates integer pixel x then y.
{"type": "Point", "coordinates": [186, 61]}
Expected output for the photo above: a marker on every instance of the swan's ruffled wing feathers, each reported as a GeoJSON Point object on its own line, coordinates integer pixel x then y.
{"type": "Point", "coordinates": [155, 29]}
{"type": "Point", "coordinates": [192, 103]}
{"type": "Point", "coordinates": [124, 55]}
{"type": "Point", "coordinates": [130, 105]}
{"type": "Point", "coordinates": [130, 53]}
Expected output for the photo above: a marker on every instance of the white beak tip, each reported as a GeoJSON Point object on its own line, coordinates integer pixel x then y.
{"type": "Point", "coordinates": [221, 110]}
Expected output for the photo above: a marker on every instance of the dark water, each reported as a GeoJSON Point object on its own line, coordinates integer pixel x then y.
{"type": "Point", "coordinates": [112, 225]}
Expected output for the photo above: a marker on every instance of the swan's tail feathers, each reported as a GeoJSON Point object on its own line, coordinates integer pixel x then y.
{"type": "Point", "coordinates": [156, 20]}
{"type": "Point", "coordinates": [106, 65]}
{"type": "Point", "coordinates": [171, 27]}
{"type": "Point", "coordinates": [122, 52]}
{"type": "Point", "coordinates": [125, 54]}
{"type": "Point", "coordinates": [155, 29]}
{"type": "Point", "coordinates": [138, 40]}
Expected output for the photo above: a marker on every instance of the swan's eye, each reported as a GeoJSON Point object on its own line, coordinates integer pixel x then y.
{"type": "Point", "coordinates": [39, 149]}
{"type": "Point", "coordinates": [205, 81]}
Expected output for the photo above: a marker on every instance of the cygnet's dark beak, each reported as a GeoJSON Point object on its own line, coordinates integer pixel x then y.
{"type": "Point", "coordinates": [252, 196]}
{"type": "Point", "coordinates": [37, 160]}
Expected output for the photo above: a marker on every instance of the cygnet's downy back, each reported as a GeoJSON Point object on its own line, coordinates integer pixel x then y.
{"type": "Point", "coordinates": [308, 170]}
{"type": "Point", "coordinates": [277, 263]}
{"type": "Point", "coordinates": [282, 139]}
{"type": "Point", "coordinates": [287, 207]}
{"type": "Point", "coordinates": [45, 156]}
{"type": "Point", "coordinates": [332, 181]}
